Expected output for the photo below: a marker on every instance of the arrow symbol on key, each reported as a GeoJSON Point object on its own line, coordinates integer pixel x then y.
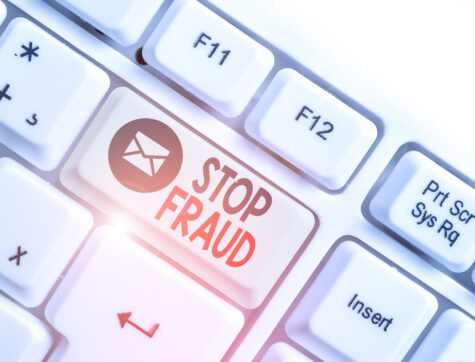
{"type": "Point", "coordinates": [124, 318]}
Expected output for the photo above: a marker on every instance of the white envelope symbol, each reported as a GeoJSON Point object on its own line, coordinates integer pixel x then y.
{"type": "Point", "coordinates": [146, 154]}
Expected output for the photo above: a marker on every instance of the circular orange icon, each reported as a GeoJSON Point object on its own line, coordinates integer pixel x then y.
{"type": "Point", "coordinates": [145, 155]}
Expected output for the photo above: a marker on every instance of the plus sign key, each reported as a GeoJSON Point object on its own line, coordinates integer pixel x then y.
{"type": "Point", "coordinates": [47, 93]}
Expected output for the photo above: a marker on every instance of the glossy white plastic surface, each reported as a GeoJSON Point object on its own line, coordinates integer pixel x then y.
{"type": "Point", "coordinates": [339, 49]}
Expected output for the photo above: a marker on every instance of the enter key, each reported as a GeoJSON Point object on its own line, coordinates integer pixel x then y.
{"type": "Point", "coordinates": [430, 208]}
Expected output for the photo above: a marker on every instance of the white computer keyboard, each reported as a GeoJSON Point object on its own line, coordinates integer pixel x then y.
{"type": "Point", "coordinates": [215, 180]}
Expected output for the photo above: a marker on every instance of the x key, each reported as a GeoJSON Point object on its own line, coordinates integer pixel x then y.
{"type": "Point", "coordinates": [18, 255]}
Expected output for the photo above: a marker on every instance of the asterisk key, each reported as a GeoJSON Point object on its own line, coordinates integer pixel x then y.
{"type": "Point", "coordinates": [30, 51]}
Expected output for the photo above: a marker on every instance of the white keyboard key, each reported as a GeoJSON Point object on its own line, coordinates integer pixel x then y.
{"type": "Point", "coordinates": [282, 352]}
{"type": "Point", "coordinates": [451, 339]}
{"type": "Point", "coordinates": [221, 220]}
{"type": "Point", "coordinates": [311, 128]}
{"type": "Point", "coordinates": [3, 12]}
{"type": "Point", "coordinates": [40, 231]}
{"type": "Point", "coordinates": [122, 20]}
{"type": "Point", "coordinates": [208, 57]}
{"type": "Point", "coordinates": [47, 93]}
{"type": "Point", "coordinates": [430, 208]}
{"type": "Point", "coordinates": [23, 337]}
{"type": "Point", "coordinates": [135, 307]}
{"type": "Point", "coordinates": [358, 300]}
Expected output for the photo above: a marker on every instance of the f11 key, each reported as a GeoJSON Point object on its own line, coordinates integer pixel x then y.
{"type": "Point", "coordinates": [208, 57]}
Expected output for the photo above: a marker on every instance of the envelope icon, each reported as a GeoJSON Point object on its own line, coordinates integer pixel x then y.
{"type": "Point", "coordinates": [146, 154]}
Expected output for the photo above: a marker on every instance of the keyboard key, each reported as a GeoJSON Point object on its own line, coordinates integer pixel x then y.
{"type": "Point", "coordinates": [123, 21]}
{"type": "Point", "coordinates": [135, 307]}
{"type": "Point", "coordinates": [24, 338]}
{"type": "Point", "coordinates": [40, 231]}
{"type": "Point", "coordinates": [215, 216]}
{"type": "Point", "coordinates": [208, 57]}
{"type": "Point", "coordinates": [430, 208]}
{"type": "Point", "coordinates": [3, 12]}
{"type": "Point", "coordinates": [451, 339]}
{"type": "Point", "coordinates": [311, 129]}
{"type": "Point", "coordinates": [282, 352]}
{"type": "Point", "coordinates": [65, 86]}
{"type": "Point", "coordinates": [358, 300]}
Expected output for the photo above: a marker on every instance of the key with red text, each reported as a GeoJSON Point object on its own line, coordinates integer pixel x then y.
{"type": "Point", "coordinates": [198, 205]}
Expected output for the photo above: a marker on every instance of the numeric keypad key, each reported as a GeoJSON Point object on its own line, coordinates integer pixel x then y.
{"type": "Point", "coordinates": [40, 229]}
{"type": "Point", "coordinates": [47, 93]}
